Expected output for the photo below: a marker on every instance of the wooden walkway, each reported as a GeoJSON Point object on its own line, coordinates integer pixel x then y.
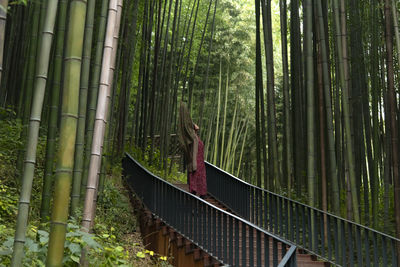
{"type": "Point", "coordinates": [303, 259]}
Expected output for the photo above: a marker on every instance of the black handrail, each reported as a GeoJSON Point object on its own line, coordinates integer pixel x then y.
{"type": "Point", "coordinates": [332, 238]}
{"type": "Point", "coordinates": [219, 233]}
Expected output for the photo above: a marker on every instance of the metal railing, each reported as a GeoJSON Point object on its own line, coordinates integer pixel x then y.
{"type": "Point", "coordinates": [229, 238]}
{"type": "Point", "coordinates": [333, 239]}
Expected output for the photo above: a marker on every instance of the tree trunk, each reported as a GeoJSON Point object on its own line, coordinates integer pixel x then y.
{"type": "Point", "coordinates": [83, 93]}
{"type": "Point", "coordinates": [342, 46]}
{"type": "Point", "coordinates": [3, 19]}
{"type": "Point", "coordinates": [69, 121]}
{"type": "Point", "coordinates": [288, 158]}
{"type": "Point", "coordinates": [53, 121]}
{"type": "Point", "coordinates": [101, 113]}
{"type": "Point", "coordinates": [33, 134]}
{"type": "Point", "coordinates": [258, 89]}
{"type": "Point", "coordinates": [274, 173]}
{"type": "Point", "coordinates": [393, 120]}
{"type": "Point", "coordinates": [93, 92]}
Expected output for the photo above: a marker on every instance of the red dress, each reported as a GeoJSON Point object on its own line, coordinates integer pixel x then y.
{"type": "Point", "coordinates": [197, 179]}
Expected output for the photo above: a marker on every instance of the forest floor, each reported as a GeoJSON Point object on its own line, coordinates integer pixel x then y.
{"type": "Point", "coordinates": [116, 238]}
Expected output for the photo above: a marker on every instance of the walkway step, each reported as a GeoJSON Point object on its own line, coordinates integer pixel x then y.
{"type": "Point", "coordinates": [303, 260]}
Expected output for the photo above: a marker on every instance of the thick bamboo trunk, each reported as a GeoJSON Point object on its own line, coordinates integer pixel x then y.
{"type": "Point", "coordinates": [93, 92]}
{"type": "Point", "coordinates": [328, 109]}
{"type": "Point", "coordinates": [69, 121]}
{"type": "Point", "coordinates": [375, 95]}
{"type": "Point", "coordinates": [83, 95]}
{"type": "Point", "coordinates": [341, 48]}
{"type": "Point", "coordinates": [310, 103]}
{"type": "Point", "coordinates": [55, 99]}
{"type": "Point", "coordinates": [101, 113]}
{"type": "Point", "coordinates": [273, 158]}
{"type": "Point", "coordinates": [392, 101]}
{"type": "Point", "coordinates": [33, 134]}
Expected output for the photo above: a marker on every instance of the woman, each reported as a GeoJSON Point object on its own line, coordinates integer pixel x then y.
{"type": "Point", "coordinates": [193, 149]}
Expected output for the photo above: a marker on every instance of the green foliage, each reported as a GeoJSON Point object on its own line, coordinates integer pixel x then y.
{"type": "Point", "coordinates": [114, 210]}
{"type": "Point", "coordinates": [103, 250]}
{"type": "Point", "coordinates": [174, 175]}
{"type": "Point", "coordinates": [8, 203]}
{"type": "Point", "coordinates": [115, 220]}
{"type": "Point", "coordinates": [10, 144]}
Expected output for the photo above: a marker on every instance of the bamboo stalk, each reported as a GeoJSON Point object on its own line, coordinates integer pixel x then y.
{"type": "Point", "coordinates": [241, 150]}
{"type": "Point", "coordinates": [83, 94]}
{"type": "Point", "coordinates": [69, 121]}
{"type": "Point", "coordinates": [93, 92]}
{"type": "Point", "coordinates": [55, 99]}
{"type": "Point", "coordinates": [101, 115]}
{"type": "Point", "coordinates": [33, 134]}
{"type": "Point", "coordinates": [396, 28]}
{"type": "Point", "coordinates": [3, 20]}
{"type": "Point", "coordinates": [215, 151]}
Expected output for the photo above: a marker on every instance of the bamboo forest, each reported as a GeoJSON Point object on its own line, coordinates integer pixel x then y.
{"type": "Point", "coordinates": [199, 133]}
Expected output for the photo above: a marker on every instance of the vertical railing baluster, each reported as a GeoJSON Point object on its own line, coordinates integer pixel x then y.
{"type": "Point", "coordinates": [291, 225]}
{"type": "Point", "coordinates": [272, 207]}
{"type": "Point", "coordinates": [220, 233]}
{"type": "Point", "coordinates": [280, 217]}
{"type": "Point", "coordinates": [351, 245]}
{"type": "Point", "coordinates": [217, 233]}
{"type": "Point", "coordinates": [297, 217]}
{"type": "Point", "coordinates": [196, 218]}
{"type": "Point", "coordinates": [209, 225]}
{"type": "Point", "coordinates": [237, 241]}
{"type": "Point", "coordinates": [384, 251]}
{"type": "Point", "coordinates": [266, 206]}
{"type": "Point", "coordinates": [336, 239]}
{"type": "Point", "coordinates": [342, 241]}
{"type": "Point", "coordinates": [275, 252]}
{"type": "Point", "coordinates": [253, 205]}
{"type": "Point", "coordinates": [322, 232]}
{"type": "Point", "coordinates": [244, 239]}
{"type": "Point", "coordinates": [359, 246]}
{"type": "Point", "coordinates": [225, 226]}
{"type": "Point", "coordinates": [214, 226]}
{"type": "Point", "coordinates": [309, 218]}
{"type": "Point", "coordinates": [367, 246]}
{"type": "Point", "coordinates": [394, 250]}
{"type": "Point", "coordinates": [276, 214]}
{"type": "Point", "coordinates": [266, 249]}
{"type": "Point", "coordinates": [375, 246]}
{"type": "Point", "coordinates": [304, 226]}
{"type": "Point", "coordinates": [329, 237]}
{"type": "Point", "coordinates": [258, 242]}
{"type": "Point", "coordinates": [256, 207]}
{"type": "Point", "coordinates": [230, 238]}
{"type": "Point", "coordinates": [287, 217]}
{"type": "Point", "coordinates": [251, 247]}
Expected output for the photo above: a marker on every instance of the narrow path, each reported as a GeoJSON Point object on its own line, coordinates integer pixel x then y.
{"type": "Point", "coordinates": [303, 260]}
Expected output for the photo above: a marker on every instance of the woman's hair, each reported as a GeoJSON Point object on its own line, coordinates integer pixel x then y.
{"type": "Point", "coordinates": [186, 132]}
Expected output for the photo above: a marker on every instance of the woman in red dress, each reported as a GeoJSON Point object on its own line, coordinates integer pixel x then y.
{"type": "Point", "coordinates": [193, 149]}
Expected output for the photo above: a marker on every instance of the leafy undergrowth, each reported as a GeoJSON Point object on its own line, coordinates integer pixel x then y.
{"type": "Point", "coordinates": [171, 173]}
{"type": "Point", "coordinates": [116, 239]}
